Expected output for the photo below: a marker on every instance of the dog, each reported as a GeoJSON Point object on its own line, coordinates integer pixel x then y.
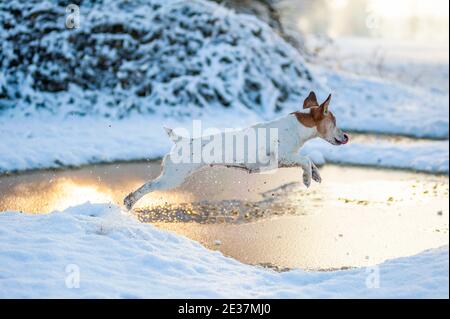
{"type": "Point", "coordinates": [293, 131]}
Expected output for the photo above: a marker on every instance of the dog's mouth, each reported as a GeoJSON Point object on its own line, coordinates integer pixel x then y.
{"type": "Point", "coordinates": [341, 142]}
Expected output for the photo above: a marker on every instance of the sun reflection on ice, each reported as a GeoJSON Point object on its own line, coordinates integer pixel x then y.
{"type": "Point", "coordinates": [72, 194]}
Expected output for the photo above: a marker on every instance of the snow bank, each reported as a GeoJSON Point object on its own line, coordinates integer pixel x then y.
{"type": "Point", "coordinates": [115, 256]}
{"type": "Point", "coordinates": [374, 105]}
{"type": "Point", "coordinates": [384, 86]}
{"type": "Point", "coordinates": [171, 57]}
{"type": "Point", "coordinates": [426, 156]}
{"type": "Point", "coordinates": [418, 64]}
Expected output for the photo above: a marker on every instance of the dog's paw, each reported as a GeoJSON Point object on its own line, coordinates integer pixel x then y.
{"type": "Point", "coordinates": [315, 174]}
{"type": "Point", "coordinates": [306, 179]}
{"type": "Point", "coordinates": [128, 202]}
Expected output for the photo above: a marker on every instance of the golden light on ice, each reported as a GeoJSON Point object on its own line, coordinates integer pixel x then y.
{"type": "Point", "coordinates": [72, 194]}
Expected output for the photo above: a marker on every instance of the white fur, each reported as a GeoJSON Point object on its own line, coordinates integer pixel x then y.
{"type": "Point", "coordinates": [291, 136]}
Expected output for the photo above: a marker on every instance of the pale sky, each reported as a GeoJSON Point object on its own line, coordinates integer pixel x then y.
{"type": "Point", "coordinates": [408, 8]}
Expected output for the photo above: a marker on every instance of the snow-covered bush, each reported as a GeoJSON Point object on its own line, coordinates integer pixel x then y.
{"type": "Point", "coordinates": [169, 57]}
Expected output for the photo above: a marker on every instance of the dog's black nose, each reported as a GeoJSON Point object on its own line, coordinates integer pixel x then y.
{"type": "Point", "coordinates": [346, 138]}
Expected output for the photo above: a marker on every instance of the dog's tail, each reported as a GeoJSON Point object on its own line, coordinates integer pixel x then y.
{"type": "Point", "coordinates": [171, 134]}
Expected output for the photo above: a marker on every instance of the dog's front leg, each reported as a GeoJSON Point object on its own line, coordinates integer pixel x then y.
{"type": "Point", "coordinates": [310, 171]}
{"type": "Point", "coordinates": [306, 165]}
{"type": "Point", "coordinates": [315, 173]}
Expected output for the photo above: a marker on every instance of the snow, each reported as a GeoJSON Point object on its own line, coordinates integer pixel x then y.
{"type": "Point", "coordinates": [380, 106]}
{"type": "Point", "coordinates": [386, 86]}
{"type": "Point", "coordinates": [424, 155]}
{"type": "Point", "coordinates": [115, 256]}
{"type": "Point", "coordinates": [417, 64]}
{"type": "Point", "coordinates": [177, 59]}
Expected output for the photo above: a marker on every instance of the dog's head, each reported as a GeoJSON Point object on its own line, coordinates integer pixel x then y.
{"type": "Point", "coordinates": [321, 117]}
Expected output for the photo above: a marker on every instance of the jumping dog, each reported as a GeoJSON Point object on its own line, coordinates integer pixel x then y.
{"type": "Point", "coordinates": [294, 130]}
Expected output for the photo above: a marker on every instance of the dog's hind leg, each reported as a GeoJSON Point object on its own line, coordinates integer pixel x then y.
{"type": "Point", "coordinates": [172, 176]}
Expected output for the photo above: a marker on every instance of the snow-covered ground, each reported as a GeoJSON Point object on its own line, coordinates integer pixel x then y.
{"type": "Point", "coordinates": [369, 104]}
{"type": "Point", "coordinates": [97, 251]}
{"type": "Point", "coordinates": [423, 155]}
{"type": "Point", "coordinates": [416, 64]}
{"type": "Point", "coordinates": [386, 86]}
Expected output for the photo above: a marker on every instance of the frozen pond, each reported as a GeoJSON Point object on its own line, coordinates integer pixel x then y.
{"type": "Point", "coordinates": [356, 217]}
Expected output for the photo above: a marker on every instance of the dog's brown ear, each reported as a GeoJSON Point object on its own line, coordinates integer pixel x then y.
{"type": "Point", "coordinates": [324, 106]}
{"type": "Point", "coordinates": [310, 101]}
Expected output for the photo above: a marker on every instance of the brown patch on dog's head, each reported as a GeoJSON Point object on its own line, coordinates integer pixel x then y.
{"type": "Point", "coordinates": [305, 118]}
{"type": "Point", "coordinates": [320, 117]}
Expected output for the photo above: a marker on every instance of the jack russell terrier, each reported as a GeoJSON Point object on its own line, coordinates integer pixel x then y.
{"type": "Point", "coordinates": [293, 131]}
